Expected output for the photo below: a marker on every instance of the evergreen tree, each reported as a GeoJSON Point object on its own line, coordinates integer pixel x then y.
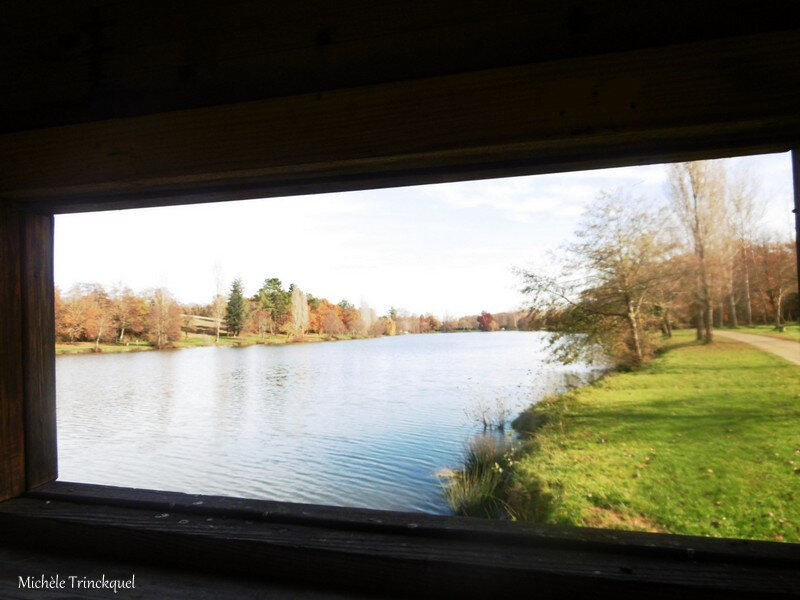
{"type": "Point", "coordinates": [276, 301]}
{"type": "Point", "coordinates": [234, 315]}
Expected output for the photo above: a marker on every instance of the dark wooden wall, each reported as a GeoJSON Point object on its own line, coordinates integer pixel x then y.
{"type": "Point", "coordinates": [27, 360]}
{"type": "Point", "coordinates": [82, 60]}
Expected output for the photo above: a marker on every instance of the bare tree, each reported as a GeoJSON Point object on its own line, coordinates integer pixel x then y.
{"type": "Point", "coordinates": [299, 312]}
{"type": "Point", "coordinates": [697, 194]}
{"type": "Point", "coordinates": [611, 275]}
{"type": "Point", "coordinates": [219, 304]}
{"type": "Point", "coordinates": [744, 217]}
{"type": "Point", "coordinates": [164, 319]}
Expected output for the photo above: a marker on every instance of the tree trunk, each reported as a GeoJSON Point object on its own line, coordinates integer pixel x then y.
{"type": "Point", "coordinates": [747, 301]}
{"type": "Point", "coordinates": [732, 308]}
{"type": "Point", "coordinates": [705, 295]}
{"type": "Point", "coordinates": [637, 344]}
{"type": "Point", "coordinates": [122, 335]}
{"type": "Point", "coordinates": [698, 321]}
{"type": "Point", "coordinates": [734, 320]}
{"type": "Point", "coordinates": [764, 310]}
{"type": "Point", "coordinates": [708, 322]}
{"type": "Point", "coordinates": [666, 327]}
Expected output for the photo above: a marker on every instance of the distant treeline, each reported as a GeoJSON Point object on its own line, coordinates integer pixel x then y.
{"type": "Point", "coordinates": [90, 312]}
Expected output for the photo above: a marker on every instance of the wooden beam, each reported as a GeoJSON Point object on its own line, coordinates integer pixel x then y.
{"type": "Point", "coordinates": [677, 102]}
{"type": "Point", "coordinates": [12, 433]}
{"type": "Point", "coordinates": [405, 554]}
{"type": "Point", "coordinates": [38, 349]}
{"type": "Point", "coordinates": [75, 61]}
{"type": "Point", "coordinates": [796, 210]}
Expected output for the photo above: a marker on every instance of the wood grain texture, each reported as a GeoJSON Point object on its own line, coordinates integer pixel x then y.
{"type": "Point", "coordinates": [38, 348]}
{"type": "Point", "coordinates": [412, 563]}
{"type": "Point", "coordinates": [80, 60]}
{"type": "Point", "coordinates": [419, 524]}
{"type": "Point", "coordinates": [677, 102]}
{"type": "Point", "coordinates": [796, 210]}
{"type": "Point", "coordinates": [12, 439]}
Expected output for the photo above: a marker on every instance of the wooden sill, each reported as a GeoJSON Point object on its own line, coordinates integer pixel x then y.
{"type": "Point", "coordinates": [390, 552]}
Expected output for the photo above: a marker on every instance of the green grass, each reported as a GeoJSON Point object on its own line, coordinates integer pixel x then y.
{"type": "Point", "coordinates": [477, 489]}
{"type": "Point", "coordinates": [705, 440]}
{"type": "Point", "coordinates": [791, 331]}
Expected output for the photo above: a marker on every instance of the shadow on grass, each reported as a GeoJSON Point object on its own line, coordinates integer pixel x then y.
{"type": "Point", "coordinates": [662, 350]}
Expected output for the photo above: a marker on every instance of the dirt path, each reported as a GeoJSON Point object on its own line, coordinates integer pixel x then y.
{"type": "Point", "coordinates": [788, 349]}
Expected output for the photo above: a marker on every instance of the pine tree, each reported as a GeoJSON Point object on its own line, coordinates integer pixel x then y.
{"type": "Point", "coordinates": [234, 315]}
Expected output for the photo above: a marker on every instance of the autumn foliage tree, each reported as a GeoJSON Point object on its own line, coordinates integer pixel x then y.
{"type": "Point", "coordinates": [486, 322]}
{"type": "Point", "coordinates": [164, 319]}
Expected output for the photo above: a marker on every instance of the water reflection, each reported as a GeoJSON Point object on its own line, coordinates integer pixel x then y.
{"type": "Point", "coordinates": [359, 423]}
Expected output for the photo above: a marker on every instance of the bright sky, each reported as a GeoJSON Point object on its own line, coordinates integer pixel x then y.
{"type": "Point", "coordinates": [445, 248]}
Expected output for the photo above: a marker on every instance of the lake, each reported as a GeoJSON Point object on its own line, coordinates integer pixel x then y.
{"type": "Point", "coordinates": [364, 423]}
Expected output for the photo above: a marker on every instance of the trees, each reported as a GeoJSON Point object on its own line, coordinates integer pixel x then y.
{"type": "Point", "coordinates": [697, 194]}
{"type": "Point", "coordinates": [87, 314]}
{"type": "Point", "coordinates": [330, 318]}
{"type": "Point", "coordinates": [299, 312]}
{"type": "Point", "coordinates": [486, 322]}
{"type": "Point", "coordinates": [610, 278]}
{"type": "Point", "coordinates": [775, 261]}
{"type": "Point", "coordinates": [164, 319]}
{"type": "Point", "coordinates": [235, 310]}
{"type": "Point", "coordinates": [128, 312]}
{"type": "Point", "coordinates": [275, 301]}
{"type": "Point", "coordinates": [744, 218]}
{"type": "Point", "coordinates": [218, 303]}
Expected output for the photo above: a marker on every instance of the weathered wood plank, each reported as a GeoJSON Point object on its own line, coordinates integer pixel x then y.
{"type": "Point", "coordinates": [412, 563]}
{"type": "Point", "coordinates": [38, 347]}
{"type": "Point", "coordinates": [12, 440]}
{"type": "Point", "coordinates": [677, 102]}
{"type": "Point", "coordinates": [91, 60]}
{"type": "Point", "coordinates": [421, 524]}
{"type": "Point", "coordinates": [796, 210]}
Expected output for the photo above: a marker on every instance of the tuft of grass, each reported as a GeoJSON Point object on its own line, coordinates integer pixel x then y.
{"type": "Point", "coordinates": [702, 441]}
{"type": "Point", "coordinates": [477, 488]}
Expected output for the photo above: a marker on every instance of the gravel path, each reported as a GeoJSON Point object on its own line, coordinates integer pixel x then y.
{"type": "Point", "coordinates": [788, 349]}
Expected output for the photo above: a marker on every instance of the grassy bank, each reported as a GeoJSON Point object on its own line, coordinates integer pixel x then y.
{"type": "Point", "coordinates": [200, 340]}
{"type": "Point", "coordinates": [702, 441]}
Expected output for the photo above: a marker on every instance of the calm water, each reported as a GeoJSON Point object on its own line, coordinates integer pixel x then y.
{"type": "Point", "coordinates": [358, 423]}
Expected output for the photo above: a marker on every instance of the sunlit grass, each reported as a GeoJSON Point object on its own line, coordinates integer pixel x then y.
{"type": "Point", "coordinates": [477, 489]}
{"type": "Point", "coordinates": [704, 441]}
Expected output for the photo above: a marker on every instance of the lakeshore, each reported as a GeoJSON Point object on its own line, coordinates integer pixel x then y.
{"type": "Point", "coordinates": [195, 340]}
{"type": "Point", "coordinates": [701, 441]}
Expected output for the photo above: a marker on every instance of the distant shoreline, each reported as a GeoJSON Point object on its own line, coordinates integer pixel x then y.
{"type": "Point", "coordinates": [205, 341]}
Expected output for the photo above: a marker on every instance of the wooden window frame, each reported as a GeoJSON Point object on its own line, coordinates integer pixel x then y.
{"type": "Point", "coordinates": [721, 98]}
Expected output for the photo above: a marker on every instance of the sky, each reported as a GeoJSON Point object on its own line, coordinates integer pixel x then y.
{"type": "Point", "coordinates": [447, 249]}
